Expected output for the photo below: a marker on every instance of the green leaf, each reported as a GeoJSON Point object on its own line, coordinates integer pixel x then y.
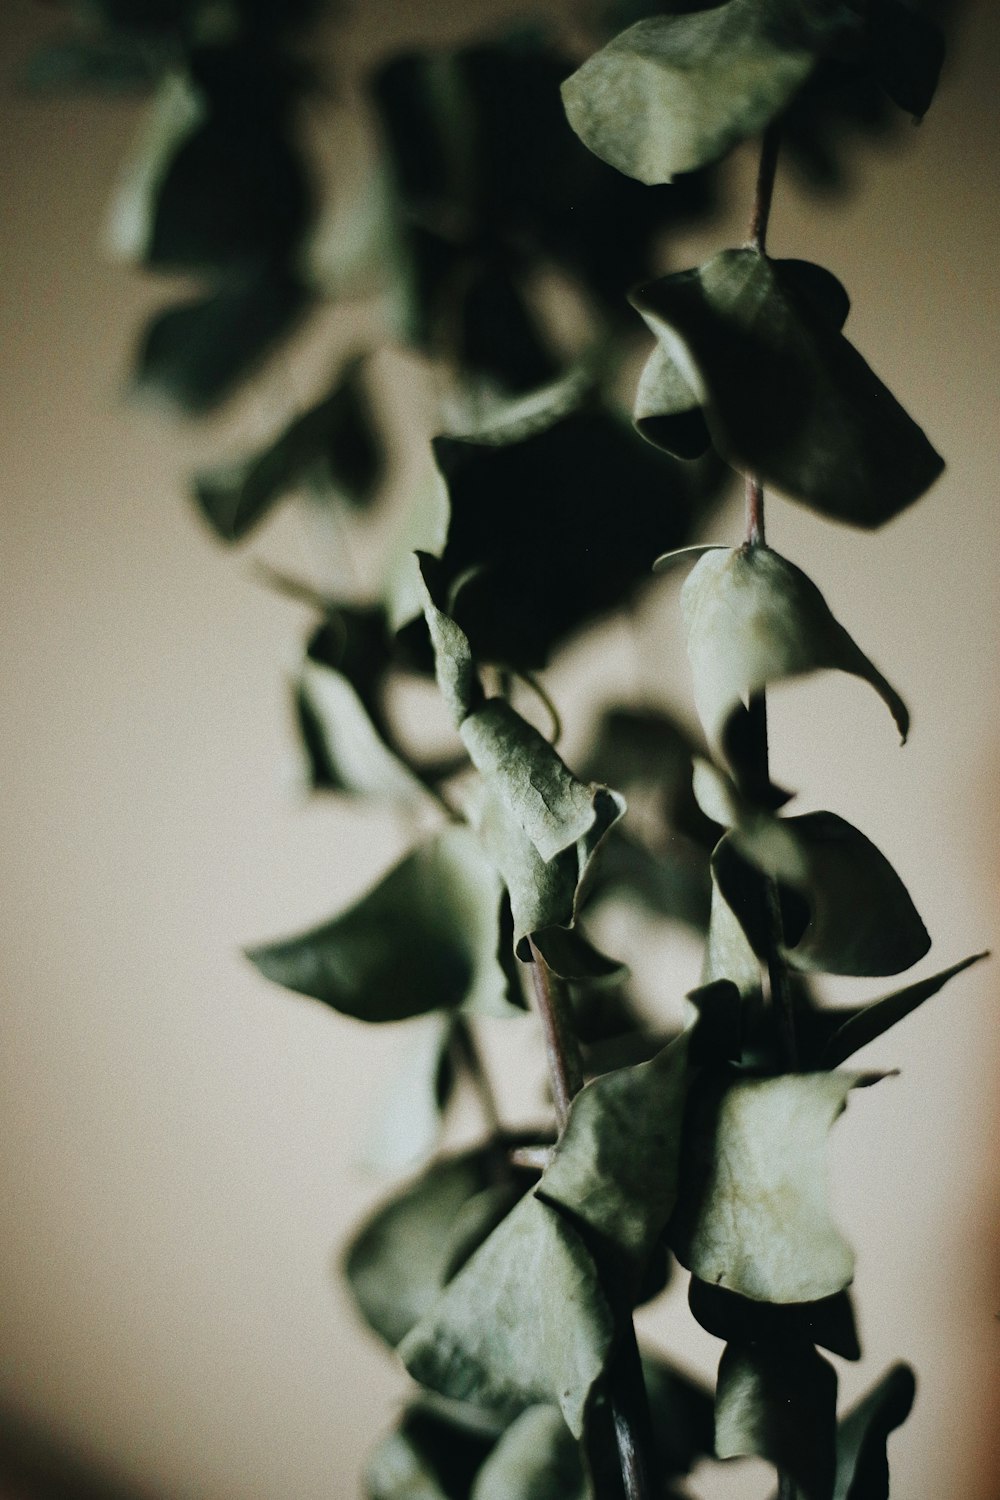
{"type": "Point", "coordinates": [672, 882]}
{"type": "Point", "coordinates": [616, 1163]}
{"type": "Point", "coordinates": [783, 394]}
{"type": "Point", "coordinates": [907, 50]}
{"type": "Point", "coordinates": [195, 354]}
{"type": "Point", "coordinates": [674, 93]}
{"type": "Point", "coordinates": [779, 1402]}
{"type": "Point", "coordinates": [754, 619]}
{"type": "Point", "coordinates": [109, 65]}
{"type": "Point", "coordinates": [524, 1322]}
{"type": "Point", "coordinates": [828, 1322]}
{"type": "Point", "coordinates": [434, 1454]}
{"type": "Point", "coordinates": [845, 1031]}
{"type": "Point", "coordinates": [427, 937]}
{"type": "Point", "coordinates": [753, 1214]}
{"type": "Point", "coordinates": [862, 1465]}
{"type": "Point", "coordinates": [406, 1124]}
{"type": "Point", "coordinates": [536, 1459]}
{"type": "Point", "coordinates": [844, 908]}
{"type": "Point", "coordinates": [682, 1415]}
{"type": "Point", "coordinates": [334, 442]}
{"type": "Point", "coordinates": [399, 1261]}
{"type": "Point", "coordinates": [728, 952]}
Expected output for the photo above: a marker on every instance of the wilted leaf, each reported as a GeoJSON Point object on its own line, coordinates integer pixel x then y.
{"type": "Point", "coordinates": [862, 1465]}
{"type": "Point", "coordinates": [783, 394]}
{"type": "Point", "coordinates": [753, 1214]}
{"type": "Point", "coordinates": [398, 1262]}
{"type": "Point", "coordinates": [779, 1402]}
{"type": "Point", "coordinates": [524, 1322]}
{"type": "Point", "coordinates": [427, 937]}
{"type": "Point", "coordinates": [536, 1459]}
{"type": "Point", "coordinates": [738, 1320]}
{"type": "Point", "coordinates": [754, 619]}
{"type": "Point", "coordinates": [616, 1163]}
{"type": "Point", "coordinates": [334, 442]}
{"type": "Point", "coordinates": [194, 354]}
{"type": "Point", "coordinates": [674, 93]}
{"type": "Point", "coordinates": [844, 908]}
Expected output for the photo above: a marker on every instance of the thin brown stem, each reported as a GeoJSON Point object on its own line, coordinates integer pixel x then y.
{"type": "Point", "coordinates": [755, 512]}
{"type": "Point", "coordinates": [764, 195]}
{"type": "Point", "coordinates": [465, 1049]}
{"type": "Point", "coordinates": [561, 1045]}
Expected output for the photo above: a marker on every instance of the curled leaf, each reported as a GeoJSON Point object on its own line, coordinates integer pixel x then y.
{"type": "Point", "coordinates": [845, 1031]}
{"type": "Point", "coordinates": [862, 1464]}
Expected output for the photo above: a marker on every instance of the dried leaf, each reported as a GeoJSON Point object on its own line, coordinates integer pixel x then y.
{"type": "Point", "coordinates": [779, 1402]}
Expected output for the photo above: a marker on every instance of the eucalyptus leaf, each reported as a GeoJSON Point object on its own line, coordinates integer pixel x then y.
{"type": "Point", "coordinates": [753, 619]}
{"type": "Point", "coordinates": [432, 1455]}
{"type": "Point", "coordinates": [847, 1030]}
{"type": "Point", "coordinates": [862, 1465]}
{"type": "Point", "coordinates": [524, 1322]}
{"type": "Point", "coordinates": [845, 910]}
{"type": "Point", "coordinates": [334, 442]}
{"type": "Point", "coordinates": [104, 64]}
{"type": "Point", "coordinates": [753, 1215]}
{"type": "Point", "coordinates": [779, 1402]}
{"type": "Point", "coordinates": [536, 1459]}
{"type": "Point", "coordinates": [398, 1262]}
{"type": "Point", "coordinates": [681, 1410]}
{"type": "Point", "coordinates": [783, 393]}
{"type": "Point", "coordinates": [828, 1322]}
{"type": "Point", "coordinates": [674, 93]}
{"type": "Point", "coordinates": [616, 1163]}
{"type": "Point", "coordinates": [907, 50]}
{"type": "Point", "coordinates": [728, 951]}
{"type": "Point", "coordinates": [406, 1125]}
{"type": "Point", "coordinates": [427, 937]}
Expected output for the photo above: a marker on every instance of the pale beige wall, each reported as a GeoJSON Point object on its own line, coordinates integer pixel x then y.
{"type": "Point", "coordinates": [177, 1137]}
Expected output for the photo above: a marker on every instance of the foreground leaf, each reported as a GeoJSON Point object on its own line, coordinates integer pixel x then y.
{"type": "Point", "coordinates": [753, 1213]}
{"type": "Point", "coordinates": [674, 93]}
{"type": "Point", "coordinates": [779, 1402]}
{"type": "Point", "coordinates": [524, 1322]}
{"type": "Point", "coordinates": [847, 1030]}
{"type": "Point", "coordinates": [432, 1455]}
{"type": "Point", "coordinates": [682, 1415]}
{"type": "Point", "coordinates": [616, 1164]}
{"type": "Point", "coordinates": [738, 1320]}
{"type": "Point", "coordinates": [398, 1263]}
{"type": "Point", "coordinates": [754, 619]}
{"type": "Point", "coordinates": [862, 1464]}
{"type": "Point", "coordinates": [783, 394]}
{"type": "Point", "coordinates": [427, 937]}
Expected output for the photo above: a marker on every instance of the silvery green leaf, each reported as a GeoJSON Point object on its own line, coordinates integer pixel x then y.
{"type": "Point", "coordinates": [454, 666]}
{"type": "Point", "coordinates": [615, 1165]}
{"type": "Point", "coordinates": [668, 409]}
{"type": "Point", "coordinates": [783, 393]}
{"type": "Point", "coordinates": [536, 1459]}
{"type": "Point", "coordinates": [779, 1402]}
{"type": "Point", "coordinates": [524, 1322]}
{"type": "Point", "coordinates": [406, 1124]}
{"type": "Point", "coordinates": [674, 93]}
{"type": "Point", "coordinates": [728, 952]}
{"type": "Point", "coordinates": [427, 937]}
{"type": "Point", "coordinates": [178, 111]}
{"type": "Point", "coordinates": [753, 1213]}
{"type": "Point", "coordinates": [754, 619]}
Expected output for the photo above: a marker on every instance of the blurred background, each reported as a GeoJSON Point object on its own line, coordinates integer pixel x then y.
{"type": "Point", "coordinates": [180, 1141]}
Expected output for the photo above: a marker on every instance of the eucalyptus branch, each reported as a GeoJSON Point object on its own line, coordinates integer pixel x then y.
{"type": "Point", "coordinates": [561, 1045]}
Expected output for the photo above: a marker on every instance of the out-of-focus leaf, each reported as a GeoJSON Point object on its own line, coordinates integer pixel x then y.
{"type": "Point", "coordinates": [672, 882]}
{"type": "Point", "coordinates": [536, 1459]}
{"type": "Point", "coordinates": [412, 1102]}
{"type": "Point", "coordinates": [616, 1163]}
{"type": "Point", "coordinates": [728, 953]}
{"type": "Point", "coordinates": [674, 93]}
{"type": "Point", "coordinates": [845, 910]}
{"type": "Point", "coordinates": [398, 1262]}
{"type": "Point", "coordinates": [649, 748]}
{"type": "Point", "coordinates": [427, 937]}
{"type": "Point", "coordinates": [779, 1402]}
{"type": "Point", "coordinates": [335, 443]}
{"type": "Point", "coordinates": [531, 521]}
{"type": "Point", "coordinates": [835, 1035]}
{"type": "Point", "coordinates": [429, 1456]}
{"type": "Point", "coordinates": [682, 1415]}
{"type": "Point", "coordinates": [907, 50]}
{"type": "Point", "coordinates": [102, 64]}
{"type": "Point", "coordinates": [862, 1465]}
{"type": "Point", "coordinates": [177, 112]}
{"type": "Point", "coordinates": [524, 1322]}
{"type": "Point", "coordinates": [828, 1322]}
{"type": "Point", "coordinates": [753, 1214]}
{"type": "Point", "coordinates": [783, 394]}
{"type": "Point", "coordinates": [754, 619]}
{"type": "Point", "coordinates": [194, 354]}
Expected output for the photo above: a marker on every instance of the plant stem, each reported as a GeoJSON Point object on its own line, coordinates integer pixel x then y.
{"type": "Point", "coordinates": [764, 194]}
{"type": "Point", "coordinates": [626, 1388]}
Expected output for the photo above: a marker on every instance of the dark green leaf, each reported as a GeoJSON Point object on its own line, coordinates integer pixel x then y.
{"type": "Point", "coordinates": [828, 1322]}
{"type": "Point", "coordinates": [650, 750]}
{"type": "Point", "coordinates": [779, 1403]}
{"type": "Point", "coordinates": [907, 50]}
{"type": "Point", "coordinates": [334, 443]}
{"type": "Point", "coordinates": [427, 937]}
{"type": "Point", "coordinates": [536, 1459]}
{"type": "Point", "coordinates": [194, 354]}
{"type": "Point", "coordinates": [783, 393]}
{"type": "Point", "coordinates": [845, 1031]}
{"type": "Point", "coordinates": [104, 64]}
{"type": "Point", "coordinates": [673, 882]}
{"type": "Point", "coordinates": [524, 1322]}
{"type": "Point", "coordinates": [753, 1214]}
{"type": "Point", "coordinates": [674, 93]}
{"type": "Point", "coordinates": [845, 909]}
{"type": "Point", "coordinates": [615, 1166]}
{"type": "Point", "coordinates": [862, 1465]}
{"type": "Point", "coordinates": [399, 1261]}
{"type": "Point", "coordinates": [681, 1410]}
{"type": "Point", "coordinates": [430, 1456]}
